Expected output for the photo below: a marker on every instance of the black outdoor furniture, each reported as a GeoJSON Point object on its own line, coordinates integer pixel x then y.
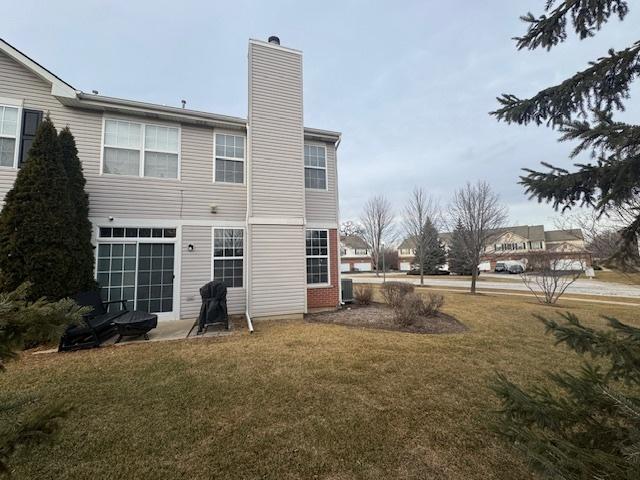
{"type": "Point", "coordinates": [135, 324]}
{"type": "Point", "coordinates": [214, 306]}
{"type": "Point", "coordinates": [98, 324]}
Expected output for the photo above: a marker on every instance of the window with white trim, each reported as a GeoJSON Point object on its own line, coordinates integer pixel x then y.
{"type": "Point", "coordinates": [315, 167]}
{"type": "Point", "coordinates": [228, 256]}
{"type": "Point", "coordinates": [317, 244]}
{"type": "Point", "coordinates": [229, 158]}
{"type": "Point", "coordinates": [138, 149]}
{"type": "Point", "coordinates": [8, 135]}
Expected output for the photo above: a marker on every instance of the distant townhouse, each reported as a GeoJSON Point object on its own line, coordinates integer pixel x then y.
{"type": "Point", "coordinates": [355, 254]}
{"type": "Point", "coordinates": [181, 197]}
{"type": "Point", "coordinates": [516, 243]}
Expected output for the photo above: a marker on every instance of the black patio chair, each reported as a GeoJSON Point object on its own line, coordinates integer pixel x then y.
{"type": "Point", "coordinates": [98, 324]}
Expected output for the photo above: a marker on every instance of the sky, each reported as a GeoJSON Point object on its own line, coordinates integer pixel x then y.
{"type": "Point", "coordinates": [408, 83]}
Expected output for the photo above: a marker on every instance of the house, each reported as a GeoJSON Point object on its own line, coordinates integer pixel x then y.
{"type": "Point", "coordinates": [355, 254]}
{"type": "Point", "coordinates": [179, 197]}
{"type": "Point", "coordinates": [516, 243]}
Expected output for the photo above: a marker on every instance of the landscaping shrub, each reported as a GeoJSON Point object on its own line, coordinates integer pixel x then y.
{"type": "Point", "coordinates": [433, 305]}
{"type": "Point", "coordinates": [395, 292]}
{"type": "Point", "coordinates": [414, 306]}
{"type": "Point", "coordinates": [363, 294]}
{"type": "Point", "coordinates": [410, 309]}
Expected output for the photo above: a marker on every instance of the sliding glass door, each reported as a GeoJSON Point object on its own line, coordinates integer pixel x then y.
{"type": "Point", "coordinates": [137, 265]}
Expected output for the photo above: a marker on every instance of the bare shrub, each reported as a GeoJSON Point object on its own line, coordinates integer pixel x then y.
{"type": "Point", "coordinates": [363, 294]}
{"type": "Point", "coordinates": [433, 305]}
{"type": "Point", "coordinates": [410, 309]}
{"type": "Point", "coordinates": [413, 306]}
{"type": "Point", "coordinates": [394, 292]}
{"type": "Point", "coordinates": [547, 278]}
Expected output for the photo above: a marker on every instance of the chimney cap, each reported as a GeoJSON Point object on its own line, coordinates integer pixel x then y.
{"type": "Point", "coordinates": [275, 40]}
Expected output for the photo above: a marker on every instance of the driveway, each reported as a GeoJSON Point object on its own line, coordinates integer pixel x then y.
{"type": "Point", "coordinates": [582, 286]}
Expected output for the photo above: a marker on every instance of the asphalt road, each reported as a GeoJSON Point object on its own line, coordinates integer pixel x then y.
{"type": "Point", "coordinates": [582, 286]}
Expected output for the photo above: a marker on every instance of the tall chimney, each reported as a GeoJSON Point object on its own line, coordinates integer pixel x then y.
{"type": "Point", "coordinates": [275, 181]}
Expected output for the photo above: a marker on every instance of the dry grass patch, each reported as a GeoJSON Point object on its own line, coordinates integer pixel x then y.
{"type": "Point", "coordinates": [630, 278]}
{"type": "Point", "coordinates": [295, 400]}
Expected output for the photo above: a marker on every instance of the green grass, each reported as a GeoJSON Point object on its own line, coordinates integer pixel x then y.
{"type": "Point", "coordinates": [294, 400]}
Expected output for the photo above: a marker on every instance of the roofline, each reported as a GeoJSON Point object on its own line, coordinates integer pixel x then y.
{"type": "Point", "coordinates": [59, 87]}
{"type": "Point", "coordinates": [68, 95]}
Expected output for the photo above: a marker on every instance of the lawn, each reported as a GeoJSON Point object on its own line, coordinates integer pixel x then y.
{"type": "Point", "coordinates": [632, 278]}
{"type": "Point", "coordinates": [295, 400]}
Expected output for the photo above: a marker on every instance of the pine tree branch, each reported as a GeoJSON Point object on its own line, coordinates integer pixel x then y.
{"type": "Point", "coordinates": [604, 137]}
{"type": "Point", "coordinates": [602, 87]}
{"type": "Point", "coordinates": [587, 16]}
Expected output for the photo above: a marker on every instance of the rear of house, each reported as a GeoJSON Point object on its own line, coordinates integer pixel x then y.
{"type": "Point", "coordinates": [180, 197]}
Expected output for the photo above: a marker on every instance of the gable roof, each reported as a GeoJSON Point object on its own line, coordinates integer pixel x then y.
{"type": "Point", "coordinates": [59, 88]}
{"type": "Point", "coordinates": [68, 95]}
{"type": "Point", "coordinates": [564, 235]}
{"type": "Point", "coordinates": [353, 241]}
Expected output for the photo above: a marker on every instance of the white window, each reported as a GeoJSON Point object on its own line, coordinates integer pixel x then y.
{"type": "Point", "coordinates": [229, 158]}
{"type": "Point", "coordinates": [8, 136]}
{"type": "Point", "coordinates": [317, 256]}
{"type": "Point", "coordinates": [139, 149]}
{"type": "Point", "coordinates": [228, 256]}
{"type": "Point", "coordinates": [315, 167]}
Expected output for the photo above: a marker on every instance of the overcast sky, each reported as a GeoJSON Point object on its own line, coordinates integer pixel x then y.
{"type": "Point", "coordinates": [409, 83]}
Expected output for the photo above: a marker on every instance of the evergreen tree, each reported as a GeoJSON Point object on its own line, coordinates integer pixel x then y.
{"type": "Point", "coordinates": [582, 108]}
{"type": "Point", "coordinates": [434, 255]}
{"type": "Point", "coordinates": [37, 229]}
{"type": "Point", "coordinates": [458, 256]}
{"type": "Point", "coordinates": [82, 253]}
{"type": "Point", "coordinates": [23, 322]}
{"type": "Point", "coordinates": [588, 426]}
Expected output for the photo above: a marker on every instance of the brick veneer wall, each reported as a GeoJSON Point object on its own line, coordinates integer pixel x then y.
{"type": "Point", "coordinates": [323, 297]}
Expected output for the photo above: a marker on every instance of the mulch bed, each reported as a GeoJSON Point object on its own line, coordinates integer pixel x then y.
{"type": "Point", "coordinates": [381, 316]}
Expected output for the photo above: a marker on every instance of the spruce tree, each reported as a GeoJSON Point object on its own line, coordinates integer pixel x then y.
{"type": "Point", "coordinates": [434, 254]}
{"type": "Point", "coordinates": [588, 425]}
{"type": "Point", "coordinates": [458, 255]}
{"type": "Point", "coordinates": [37, 228]}
{"type": "Point", "coordinates": [83, 255]}
{"type": "Point", "coordinates": [582, 109]}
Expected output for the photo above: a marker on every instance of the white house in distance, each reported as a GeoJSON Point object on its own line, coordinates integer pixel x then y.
{"type": "Point", "coordinates": [355, 254]}
{"type": "Point", "coordinates": [515, 243]}
{"type": "Point", "coordinates": [179, 197]}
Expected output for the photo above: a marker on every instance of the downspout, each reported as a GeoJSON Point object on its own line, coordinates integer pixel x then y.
{"type": "Point", "coordinates": [247, 250]}
{"type": "Point", "coordinates": [339, 255]}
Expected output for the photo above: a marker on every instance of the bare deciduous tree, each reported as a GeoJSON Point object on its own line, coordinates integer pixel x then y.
{"type": "Point", "coordinates": [350, 229]}
{"type": "Point", "coordinates": [479, 210]}
{"type": "Point", "coordinates": [377, 223]}
{"type": "Point", "coordinates": [419, 210]}
{"type": "Point", "coordinates": [548, 277]}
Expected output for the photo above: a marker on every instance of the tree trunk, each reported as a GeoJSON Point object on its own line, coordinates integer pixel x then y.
{"type": "Point", "coordinates": [474, 276]}
{"type": "Point", "coordinates": [422, 275]}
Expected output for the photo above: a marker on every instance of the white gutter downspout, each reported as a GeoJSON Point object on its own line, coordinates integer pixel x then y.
{"type": "Point", "coordinates": [248, 230]}
{"type": "Point", "coordinates": [339, 266]}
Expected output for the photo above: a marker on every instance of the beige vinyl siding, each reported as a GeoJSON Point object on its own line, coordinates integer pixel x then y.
{"type": "Point", "coordinates": [278, 264]}
{"type": "Point", "coordinates": [122, 196]}
{"type": "Point", "coordinates": [276, 140]}
{"type": "Point", "coordinates": [321, 205]}
{"type": "Point", "coordinates": [196, 271]}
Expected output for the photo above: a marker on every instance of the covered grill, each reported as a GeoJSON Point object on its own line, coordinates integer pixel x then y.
{"type": "Point", "coordinates": [214, 306]}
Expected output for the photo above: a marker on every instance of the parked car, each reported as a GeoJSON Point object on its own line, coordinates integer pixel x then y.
{"type": "Point", "coordinates": [501, 267]}
{"type": "Point", "coordinates": [516, 268]}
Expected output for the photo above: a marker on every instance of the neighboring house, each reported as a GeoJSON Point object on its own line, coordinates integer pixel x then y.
{"type": "Point", "coordinates": [515, 244]}
{"type": "Point", "coordinates": [355, 254]}
{"type": "Point", "coordinates": [179, 197]}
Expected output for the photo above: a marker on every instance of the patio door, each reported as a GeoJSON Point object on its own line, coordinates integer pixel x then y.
{"type": "Point", "coordinates": [138, 269]}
